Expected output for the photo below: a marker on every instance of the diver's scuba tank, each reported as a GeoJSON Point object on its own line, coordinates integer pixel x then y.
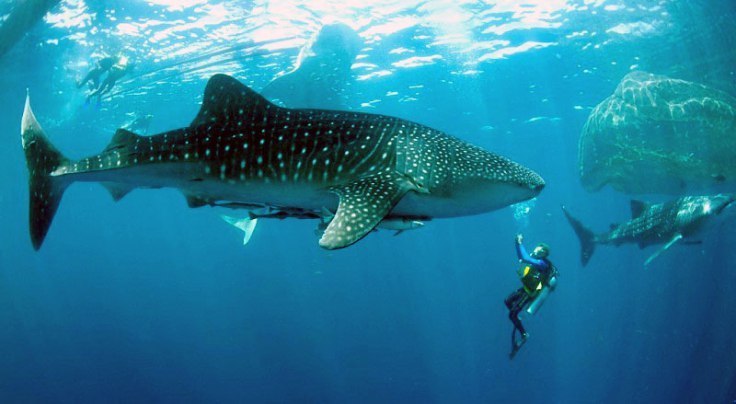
{"type": "Point", "coordinates": [535, 285]}
{"type": "Point", "coordinates": [542, 296]}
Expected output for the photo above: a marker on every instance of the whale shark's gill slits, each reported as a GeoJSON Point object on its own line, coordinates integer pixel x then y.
{"type": "Point", "coordinates": [356, 129]}
{"type": "Point", "coordinates": [370, 146]}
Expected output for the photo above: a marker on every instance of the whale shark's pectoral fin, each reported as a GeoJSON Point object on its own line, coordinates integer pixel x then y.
{"type": "Point", "coordinates": [247, 225]}
{"type": "Point", "coordinates": [194, 201]}
{"type": "Point", "coordinates": [363, 204]}
{"type": "Point", "coordinates": [664, 248]}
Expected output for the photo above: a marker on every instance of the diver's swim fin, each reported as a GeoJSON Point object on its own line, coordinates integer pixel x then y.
{"type": "Point", "coordinates": [664, 248]}
{"type": "Point", "coordinates": [516, 346]}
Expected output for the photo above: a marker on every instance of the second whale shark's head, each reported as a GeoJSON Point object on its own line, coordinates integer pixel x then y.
{"type": "Point", "coordinates": [693, 211]}
{"type": "Point", "coordinates": [717, 204]}
{"type": "Point", "coordinates": [706, 205]}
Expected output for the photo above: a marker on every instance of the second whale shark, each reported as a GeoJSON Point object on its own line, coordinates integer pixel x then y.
{"type": "Point", "coordinates": [241, 151]}
{"type": "Point", "coordinates": [666, 223]}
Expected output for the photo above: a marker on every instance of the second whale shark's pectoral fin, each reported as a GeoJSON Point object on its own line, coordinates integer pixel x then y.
{"type": "Point", "coordinates": [693, 242]}
{"type": "Point", "coordinates": [247, 225]}
{"type": "Point", "coordinates": [664, 248]}
{"type": "Point", "coordinates": [363, 204]}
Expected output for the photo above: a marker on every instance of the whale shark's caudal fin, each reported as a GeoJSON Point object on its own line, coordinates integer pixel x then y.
{"type": "Point", "coordinates": [586, 237]}
{"type": "Point", "coordinates": [45, 189]}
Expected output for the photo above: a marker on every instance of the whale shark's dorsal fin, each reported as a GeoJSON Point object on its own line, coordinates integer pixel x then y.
{"type": "Point", "coordinates": [228, 100]}
{"type": "Point", "coordinates": [638, 207]}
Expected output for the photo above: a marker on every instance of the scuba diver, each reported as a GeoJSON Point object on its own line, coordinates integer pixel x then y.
{"type": "Point", "coordinates": [538, 277]}
{"type": "Point", "coordinates": [93, 77]}
{"type": "Point", "coordinates": [118, 70]}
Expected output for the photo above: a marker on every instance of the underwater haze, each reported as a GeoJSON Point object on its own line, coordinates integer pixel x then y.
{"type": "Point", "coordinates": [148, 300]}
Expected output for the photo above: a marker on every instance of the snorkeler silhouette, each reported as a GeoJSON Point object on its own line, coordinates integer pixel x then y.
{"type": "Point", "coordinates": [322, 70]}
{"type": "Point", "coordinates": [118, 70]}
{"type": "Point", "coordinates": [93, 77]}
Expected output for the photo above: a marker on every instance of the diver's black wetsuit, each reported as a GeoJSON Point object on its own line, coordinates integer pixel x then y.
{"type": "Point", "coordinates": [516, 302]}
{"type": "Point", "coordinates": [102, 66]}
{"type": "Point", "coordinates": [113, 75]}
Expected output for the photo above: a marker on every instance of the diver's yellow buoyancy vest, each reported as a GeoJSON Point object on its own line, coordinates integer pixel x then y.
{"type": "Point", "coordinates": [531, 278]}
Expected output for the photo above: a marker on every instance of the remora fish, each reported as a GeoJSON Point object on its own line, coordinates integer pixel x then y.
{"type": "Point", "coordinates": [248, 224]}
{"type": "Point", "coordinates": [243, 150]}
{"type": "Point", "coordinates": [662, 223]}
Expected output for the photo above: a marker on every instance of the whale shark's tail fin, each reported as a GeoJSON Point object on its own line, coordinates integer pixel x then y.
{"type": "Point", "coordinates": [45, 189]}
{"type": "Point", "coordinates": [586, 237]}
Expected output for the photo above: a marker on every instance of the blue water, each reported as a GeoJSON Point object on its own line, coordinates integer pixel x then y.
{"type": "Point", "coordinates": [146, 300]}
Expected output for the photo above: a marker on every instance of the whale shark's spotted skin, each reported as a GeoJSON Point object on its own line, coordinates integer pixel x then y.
{"type": "Point", "coordinates": [242, 149]}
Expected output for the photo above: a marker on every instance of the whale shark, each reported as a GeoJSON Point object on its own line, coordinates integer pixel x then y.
{"type": "Point", "coordinates": [683, 219]}
{"type": "Point", "coordinates": [23, 16]}
{"type": "Point", "coordinates": [242, 151]}
{"type": "Point", "coordinates": [322, 72]}
{"type": "Point", "coordinates": [660, 135]}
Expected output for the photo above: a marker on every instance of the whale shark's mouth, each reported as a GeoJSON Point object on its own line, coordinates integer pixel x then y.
{"type": "Point", "coordinates": [728, 205]}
